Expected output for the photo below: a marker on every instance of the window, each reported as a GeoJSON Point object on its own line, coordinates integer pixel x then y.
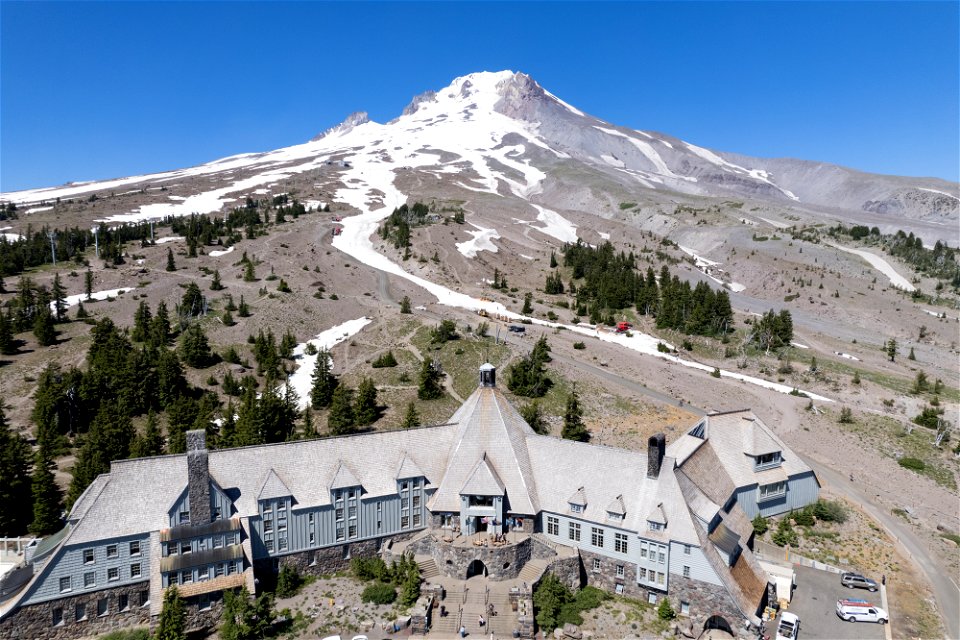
{"type": "Point", "coordinates": [553, 526]}
{"type": "Point", "coordinates": [172, 548]}
{"type": "Point", "coordinates": [596, 536]}
{"type": "Point", "coordinates": [340, 513]}
{"type": "Point", "coordinates": [282, 544]}
{"type": "Point", "coordinates": [576, 508]}
{"type": "Point", "coordinates": [269, 543]}
{"type": "Point", "coordinates": [404, 485]}
{"type": "Point", "coordinates": [135, 570]}
{"type": "Point", "coordinates": [231, 538]}
{"type": "Point", "coordinates": [185, 548]}
{"type": "Point", "coordinates": [217, 542]}
{"type": "Point", "coordinates": [684, 608]}
{"type": "Point", "coordinates": [173, 578]}
{"type": "Point", "coordinates": [186, 577]}
{"type": "Point", "coordinates": [217, 514]}
{"type": "Point", "coordinates": [80, 612]}
{"type": "Point", "coordinates": [135, 548]}
{"type": "Point", "coordinates": [112, 551]}
{"type": "Point", "coordinates": [652, 597]}
{"type": "Point", "coordinates": [654, 526]}
{"type": "Point", "coordinates": [481, 501]}
{"type": "Point", "coordinates": [661, 579]}
{"type": "Point", "coordinates": [144, 598]}
{"type": "Point", "coordinates": [282, 524]}
{"type": "Point", "coordinates": [231, 568]}
{"type": "Point", "coordinates": [89, 579]}
{"type": "Point", "coordinates": [620, 542]}
{"type": "Point", "coordinates": [203, 573]}
{"type": "Point", "coordinates": [267, 526]}
{"type": "Point", "coordinates": [57, 616]}
{"type": "Point", "coordinates": [184, 517]}
{"type": "Point", "coordinates": [767, 461]}
{"type": "Point", "coordinates": [404, 522]}
{"type": "Point", "coordinates": [573, 531]}
{"type": "Point", "coordinates": [218, 571]}
{"type": "Point", "coordinates": [596, 564]}
{"type": "Point", "coordinates": [65, 584]}
{"type": "Point", "coordinates": [643, 551]}
{"type": "Point", "coordinates": [310, 517]}
{"type": "Point", "coordinates": [686, 571]}
{"type": "Point", "coordinates": [663, 557]}
{"type": "Point", "coordinates": [774, 490]}
{"type": "Point", "coordinates": [123, 602]}
{"type": "Point", "coordinates": [620, 571]}
{"type": "Point", "coordinates": [416, 501]}
{"type": "Point", "coordinates": [313, 538]}
{"type": "Point", "coordinates": [204, 603]}
{"type": "Point", "coordinates": [416, 520]}
{"type": "Point", "coordinates": [88, 556]}
{"type": "Point", "coordinates": [641, 574]}
{"type": "Point", "coordinates": [352, 512]}
{"type": "Point", "coordinates": [340, 534]}
{"type": "Point", "coordinates": [686, 549]}
{"type": "Point", "coordinates": [113, 573]}
{"type": "Point", "coordinates": [102, 607]}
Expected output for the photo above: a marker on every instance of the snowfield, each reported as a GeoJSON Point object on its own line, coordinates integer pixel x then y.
{"type": "Point", "coordinates": [555, 225]}
{"type": "Point", "coordinates": [300, 380]}
{"type": "Point", "coordinates": [482, 241]}
{"type": "Point", "coordinates": [706, 267]}
{"type": "Point", "coordinates": [216, 253]}
{"type": "Point", "coordinates": [95, 295]}
{"type": "Point", "coordinates": [880, 265]}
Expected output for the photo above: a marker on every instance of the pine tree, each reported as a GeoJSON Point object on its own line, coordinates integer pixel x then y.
{"type": "Point", "coordinates": [44, 329]}
{"type": "Point", "coordinates": [533, 416]}
{"type": "Point", "coordinates": [171, 383]}
{"type": "Point", "coordinates": [14, 481]}
{"type": "Point", "coordinates": [47, 498]}
{"type": "Point", "coordinates": [171, 264]}
{"type": "Point", "coordinates": [59, 295]}
{"type": "Point", "coordinates": [7, 344]}
{"type": "Point", "coordinates": [172, 616]}
{"type": "Point", "coordinates": [249, 274]}
{"type": "Point", "coordinates": [891, 347]}
{"type": "Point", "coordinates": [324, 382]}
{"type": "Point", "coordinates": [88, 285]}
{"type": "Point", "coordinates": [340, 420]}
{"type": "Point", "coordinates": [429, 387]}
{"type": "Point", "coordinates": [243, 310]}
{"type": "Point", "coordinates": [181, 416]}
{"type": "Point", "coordinates": [365, 408]}
{"type": "Point", "coordinates": [195, 348]}
{"type": "Point", "coordinates": [160, 326]}
{"type": "Point", "coordinates": [405, 305]}
{"type": "Point", "coordinates": [141, 322]}
{"type": "Point", "coordinates": [228, 427]}
{"type": "Point", "coordinates": [81, 311]}
{"type": "Point", "coordinates": [553, 260]}
{"type": "Point", "coordinates": [309, 430]}
{"type": "Point", "coordinates": [150, 442]}
{"type": "Point", "coordinates": [527, 304]}
{"type": "Point", "coordinates": [411, 418]}
{"type": "Point", "coordinates": [573, 427]}
{"type": "Point", "coordinates": [108, 439]}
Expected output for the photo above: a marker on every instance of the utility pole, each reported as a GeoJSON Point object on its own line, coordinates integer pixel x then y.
{"type": "Point", "coordinates": [53, 245]}
{"type": "Point", "coordinates": [151, 233]}
{"type": "Point", "coordinates": [96, 241]}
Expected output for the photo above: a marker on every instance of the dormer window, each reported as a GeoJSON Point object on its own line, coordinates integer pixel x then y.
{"type": "Point", "coordinates": [654, 526]}
{"type": "Point", "coordinates": [576, 508]}
{"type": "Point", "coordinates": [616, 517]}
{"type": "Point", "coordinates": [767, 461]}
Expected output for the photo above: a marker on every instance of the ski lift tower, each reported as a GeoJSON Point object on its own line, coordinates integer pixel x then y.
{"type": "Point", "coordinates": [96, 240]}
{"type": "Point", "coordinates": [53, 245]}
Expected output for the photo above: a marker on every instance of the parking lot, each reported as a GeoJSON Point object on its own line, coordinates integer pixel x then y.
{"type": "Point", "coordinates": [815, 602]}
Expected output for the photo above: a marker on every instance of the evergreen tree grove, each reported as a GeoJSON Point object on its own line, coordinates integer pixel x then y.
{"type": "Point", "coordinates": [430, 387]}
{"type": "Point", "coordinates": [14, 481]}
{"type": "Point", "coordinates": [47, 498]}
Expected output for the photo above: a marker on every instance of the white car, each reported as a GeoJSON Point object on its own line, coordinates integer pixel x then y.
{"type": "Point", "coordinates": [861, 612]}
{"type": "Point", "coordinates": [789, 627]}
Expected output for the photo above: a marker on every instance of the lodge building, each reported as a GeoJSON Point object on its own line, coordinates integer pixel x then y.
{"type": "Point", "coordinates": [672, 521]}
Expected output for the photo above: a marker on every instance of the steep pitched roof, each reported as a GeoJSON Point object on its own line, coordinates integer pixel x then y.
{"type": "Point", "coordinates": [616, 506]}
{"type": "Point", "coordinates": [483, 480]}
{"type": "Point", "coordinates": [273, 487]}
{"type": "Point", "coordinates": [408, 468]}
{"type": "Point", "coordinates": [579, 498]}
{"type": "Point", "coordinates": [657, 515]}
{"type": "Point", "coordinates": [344, 478]}
{"type": "Point", "coordinates": [488, 424]}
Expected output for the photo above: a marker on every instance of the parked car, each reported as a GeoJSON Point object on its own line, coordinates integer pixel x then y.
{"type": "Point", "coordinates": [789, 627]}
{"type": "Point", "coordinates": [857, 581]}
{"type": "Point", "coordinates": [861, 613]}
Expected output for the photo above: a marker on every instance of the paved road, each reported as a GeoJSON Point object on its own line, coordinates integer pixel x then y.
{"type": "Point", "coordinates": [944, 589]}
{"type": "Point", "coordinates": [815, 601]}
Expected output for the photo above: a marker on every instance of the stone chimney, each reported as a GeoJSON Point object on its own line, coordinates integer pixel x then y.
{"type": "Point", "coordinates": [488, 375]}
{"type": "Point", "coordinates": [198, 477]}
{"type": "Point", "coordinates": [656, 447]}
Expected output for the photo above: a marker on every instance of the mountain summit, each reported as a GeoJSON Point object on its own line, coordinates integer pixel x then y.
{"type": "Point", "coordinates": [502, 133]}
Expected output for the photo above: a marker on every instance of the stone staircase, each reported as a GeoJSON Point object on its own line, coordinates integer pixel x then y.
{"type": "Point", "coordinates": [532, 571]}
{"type": "Point", "coordinates": [428, 568]}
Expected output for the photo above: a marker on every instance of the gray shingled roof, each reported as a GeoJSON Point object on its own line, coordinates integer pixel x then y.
{"type": "Point", "coordinates": [344, 478]}
{"type": "Point", "coordinates": [483, 481]}
{"type": "Point", "coordinates": [578, 498]}
{"type": "Point", "coordinates": [488, 424]}
{"type": "Point", "coordinates": [617, 506]}
{"type": "Point", "coordinates": [408, 468]}
{"type": "Point", "coordinates": [273, 487]}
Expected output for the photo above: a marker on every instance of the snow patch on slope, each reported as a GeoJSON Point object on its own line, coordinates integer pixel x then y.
{"type": "Point", "coordinates": [300, 380]}
{"type": "Point", "coordinates": [482, 241]}
{"type": "Point", "coordinates": [756, 174]}
{"type": "Point", "coordinates": [555, 225]}
{"type": "Point", "coordinates": [880, 265]}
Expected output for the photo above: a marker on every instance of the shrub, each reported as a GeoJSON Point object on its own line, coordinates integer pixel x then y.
{"type": "Point", "coordinates": [830, 511]}
{"type": "Point", "coordinates": [386, 360]}
{"type": "Point", "coordinates": [370, 569]}
{"type": "Point", "coordinates": [662, 348]}
{"type": "Point", "coordinates": [760, 525]}
{"type": "Point", "coordinates": [784, 535]}
{"type": "Point", "coordinates": [665, 610]}
{"type": "Point", "coordinates": [914, 464]}
{"type": "Point", "coordinates": [288, 582]}
{"type": "Point", "coordinates": [846, 415]}
{"type": "Point", "coordinates": [379, 593]}
{"type": "Point", "coordinates": [804, 518]}
{"type": "Point", "coordinates": [715, 373]}
{"type": "Point", "coordinates": [579, 345]}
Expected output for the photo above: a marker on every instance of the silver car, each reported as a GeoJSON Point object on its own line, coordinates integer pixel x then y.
{"type": "Point", "coordinates": [857, 581]}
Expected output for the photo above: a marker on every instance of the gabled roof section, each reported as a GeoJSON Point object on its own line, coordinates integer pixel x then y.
{"type": "Point", "coordinates": [657, 515]}
{"type": "Point", "coordinates": [578, 498]}
{"type": "Point", "coordinates": [756, 441]}
{"type": "Point", "coordinates": [344, 478]}
{"type": "Point", "coordinates": [273, 487]}
{"type": "Point", "coordinates": [408, 468]}
{"type": "Point", "coordinates": [616, 506]}
{"type": "Point", "coordinates": [483, 481]}
{"type": "Point", "coordinates": [488, 425]}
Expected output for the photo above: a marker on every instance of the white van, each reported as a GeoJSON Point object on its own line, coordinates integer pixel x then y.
{"type": "Point", "coordinates": [857, 612]}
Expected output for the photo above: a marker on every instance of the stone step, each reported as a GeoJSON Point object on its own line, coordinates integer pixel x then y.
{"type": "Point", "coordinates": [532, 571]}
{"type": "Point", "coordinates": [428, 567]}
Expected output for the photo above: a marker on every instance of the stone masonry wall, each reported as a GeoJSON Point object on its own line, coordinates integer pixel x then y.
{"type": "Point", "coordinates": [705, 600]}
{"type": "Point", "coordinates": [35, 622]}
{"type": "Point", "coordinates": [318, 562]}
{"type": "Point", "coordinates": [502, 563]}
{"type": "Point", "coordinates": [606, 577]}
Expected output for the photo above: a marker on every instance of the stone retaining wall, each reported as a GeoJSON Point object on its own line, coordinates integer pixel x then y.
{"type": "Point", "coordinates": [502, 563]}
{"type": "Point", "coordinates": [705, 600]}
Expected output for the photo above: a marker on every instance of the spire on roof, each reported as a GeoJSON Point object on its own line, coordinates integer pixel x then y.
{"type": "Point", "coordinates": [488, 375]}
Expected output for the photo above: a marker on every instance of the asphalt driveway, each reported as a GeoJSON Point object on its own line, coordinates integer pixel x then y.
{"type": "Point", "coordinates": [815, 602]}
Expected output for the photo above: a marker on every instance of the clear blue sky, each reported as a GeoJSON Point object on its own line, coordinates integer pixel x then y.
{"type": "Point", "coordinates": [91, 91]}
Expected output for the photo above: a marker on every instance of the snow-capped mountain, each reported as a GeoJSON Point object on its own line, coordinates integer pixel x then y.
{"type": "Point", "coordinates": [505, 135]}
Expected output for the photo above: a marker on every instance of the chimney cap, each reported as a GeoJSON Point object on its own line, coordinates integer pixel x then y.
{"type": "Point", "coordinates": [196, 440]}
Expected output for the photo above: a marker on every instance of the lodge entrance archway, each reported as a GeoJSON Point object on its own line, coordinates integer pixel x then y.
{"type": "Point", "coordinates": [476, 568]}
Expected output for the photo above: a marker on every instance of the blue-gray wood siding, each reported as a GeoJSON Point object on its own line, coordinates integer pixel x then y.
{"type": "Point", "coordinates": [219, 503]}
{"type": "Point", "coordinates": [68, 562]}
{"type": "Point", "coordinates": [802, 489]}
{"type": "Point", "coordinates": [700, 568]}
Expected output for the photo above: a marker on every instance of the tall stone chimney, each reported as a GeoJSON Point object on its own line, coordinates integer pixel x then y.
{"type": "Point", "coordinates": [656, 447]}
{"type": "Point", "coordinates": [198, 477]}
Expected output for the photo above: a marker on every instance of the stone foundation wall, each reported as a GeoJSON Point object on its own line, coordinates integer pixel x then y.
{"type": "Point", "coordinates": [568, 570]}
{"type": "Point", "coordinates": [35, 621]}
{"type": "Point", "coordinates": [705, 600]}
{"type": "Point", "coordinates": [606, 577]}
{"type": "Point", "coordinates": [502, 563]}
